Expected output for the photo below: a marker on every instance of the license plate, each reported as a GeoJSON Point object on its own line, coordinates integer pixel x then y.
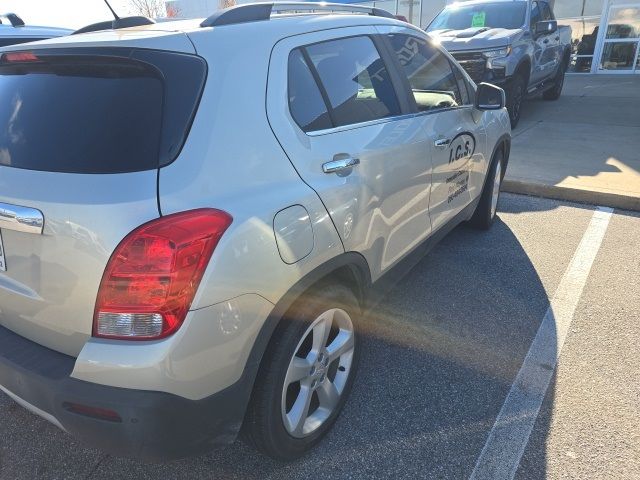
{"type": "Point", "coordinates": [3, 264]}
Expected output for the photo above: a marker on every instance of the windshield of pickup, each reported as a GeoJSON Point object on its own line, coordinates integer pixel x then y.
{"type": "Point", "coordinates": [491, 15]}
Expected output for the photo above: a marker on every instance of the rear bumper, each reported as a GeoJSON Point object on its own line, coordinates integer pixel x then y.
{"type": "Point", "coordinates": [148, 425]}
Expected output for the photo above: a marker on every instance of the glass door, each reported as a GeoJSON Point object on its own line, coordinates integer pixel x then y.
{"type": "Point", "coordinates": [621, 45]}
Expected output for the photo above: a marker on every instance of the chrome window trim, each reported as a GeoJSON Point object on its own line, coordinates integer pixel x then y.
{"type": "Point", "coordinates": [353, 126]}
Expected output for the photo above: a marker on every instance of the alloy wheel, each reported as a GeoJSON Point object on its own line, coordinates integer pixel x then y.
{"type": "Point", "coordinates": [318, 373]}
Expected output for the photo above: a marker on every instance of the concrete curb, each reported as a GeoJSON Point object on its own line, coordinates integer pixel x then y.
{"type": "Point", "coordinates": [605, 199]}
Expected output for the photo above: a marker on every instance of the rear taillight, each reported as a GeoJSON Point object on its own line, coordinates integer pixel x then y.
{"type": "Point", "coordinates": [19, 57]}
{"type": "Point", "coordinates": [151, 278]}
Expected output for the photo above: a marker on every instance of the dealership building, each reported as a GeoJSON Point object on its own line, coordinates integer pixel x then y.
{"type": "Point", "coordinates": [605, 38]}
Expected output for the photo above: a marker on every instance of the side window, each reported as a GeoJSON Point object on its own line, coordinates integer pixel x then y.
{"type": "Point", "coordinates": [429, 72]}
{"type": "Point", "coordinates": [356, 80]}
{"type": "Point", "coordinates": [305, 101]}
{"type": "Point", "coordinates": [546, 11]}
{"type": "Point", "coordinates": [465, 95]}
{"type": "Point", "coordinates": [535, 15]}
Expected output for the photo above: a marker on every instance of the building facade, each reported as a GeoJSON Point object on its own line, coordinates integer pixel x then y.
{"type": "Point", "coordinates": [605, 38]}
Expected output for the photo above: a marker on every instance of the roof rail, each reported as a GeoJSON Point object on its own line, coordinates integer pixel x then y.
{"type": "Point", "coordinates": [15, 20]}
{"type": "Point", "coordinates": [121, 22]}
{"type": "Point", "coordinates": [254, 12]}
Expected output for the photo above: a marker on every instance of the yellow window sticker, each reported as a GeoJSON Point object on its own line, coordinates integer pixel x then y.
{"type": "Point", "coordinates": [478, 19]}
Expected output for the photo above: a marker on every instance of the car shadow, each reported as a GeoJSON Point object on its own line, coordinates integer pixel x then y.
{"type": "Point", "coordinates": [440, 352]}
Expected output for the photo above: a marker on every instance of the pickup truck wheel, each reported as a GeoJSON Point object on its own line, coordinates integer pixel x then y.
{"type": "Point", "coordinates": [554, 92]}
{"type": "Point", "coordinates": [306, 374]}
{"type": "Point", "coordinates": [515, 95]}
{"type": "Point", "coordinates": [487, 207]}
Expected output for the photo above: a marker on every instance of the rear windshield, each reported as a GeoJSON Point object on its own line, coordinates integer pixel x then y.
{"type": "Point", "coordinates": [488, 15]}
{"type": "Point", "coordinates": [96, 112]}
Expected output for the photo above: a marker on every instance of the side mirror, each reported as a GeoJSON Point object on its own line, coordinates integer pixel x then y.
{"type": "Point", "coordinates": [546, 27]}
{"type": "Point", "coordinates": [490, 97]}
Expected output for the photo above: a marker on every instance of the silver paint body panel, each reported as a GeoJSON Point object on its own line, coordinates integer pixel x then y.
{"type": "Point", "coordinates": [49, 290]}
{"type": "Point", "coordinates": [246, 156]}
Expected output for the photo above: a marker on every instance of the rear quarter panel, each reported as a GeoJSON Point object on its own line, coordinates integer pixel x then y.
{"type": "Point", "coordinates": [48, 292]}
{"type": "Point", "coordinates": [232, 161]}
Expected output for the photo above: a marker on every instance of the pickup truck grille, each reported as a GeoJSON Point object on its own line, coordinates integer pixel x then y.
{"type": "Point", "coordinates": [473, 63]}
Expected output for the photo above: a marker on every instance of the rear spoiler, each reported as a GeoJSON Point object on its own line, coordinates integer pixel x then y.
{"type": "Point", "coordinates": [123, 22]}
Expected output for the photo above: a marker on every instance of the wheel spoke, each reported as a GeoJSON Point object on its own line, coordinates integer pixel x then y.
{"type": "Point", "coordinates": [322, 330]}
{"type": "Point", "coordinates": [316, 376]}
{"type": "Point", "coordinates": [328, 395]}
{"type": "Point", "coordinates": [496, 189]}
{"type": "Point", "coordinates": [342, 344]}
{"type": "Point", "coordinates": [298, 369]}
{"type": "Point", "coordinates": [300, 410]}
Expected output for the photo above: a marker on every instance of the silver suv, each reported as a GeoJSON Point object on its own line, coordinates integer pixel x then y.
{"type": "Point", "coordinates": [196, 215]}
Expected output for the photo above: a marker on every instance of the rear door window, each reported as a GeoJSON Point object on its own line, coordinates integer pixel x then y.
{"type": "Point", "coordinates": [356, 80]}
{"type": "Point", "coordinates": [306, 104]}
{"type": "Point", "coordinates": [428, 71]}
{"type": "Point", "coordinates": [463, 87]}
{"type": "Point", "coordinates": [86, 113]}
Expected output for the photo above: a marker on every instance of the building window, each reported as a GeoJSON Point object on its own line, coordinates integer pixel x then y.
{"type": "Point", "coordinates": [584, 34]}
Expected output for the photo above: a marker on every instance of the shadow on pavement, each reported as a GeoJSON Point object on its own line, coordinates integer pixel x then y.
{"type": "Point", "coordinates": [440, 353]}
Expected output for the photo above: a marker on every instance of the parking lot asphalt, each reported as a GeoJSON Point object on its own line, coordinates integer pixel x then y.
{"type": "Point", "coordinates": [441, 352]}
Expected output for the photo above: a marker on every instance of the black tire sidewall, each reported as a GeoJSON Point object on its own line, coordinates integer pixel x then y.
{"type": "Point", "coordinates": [266, 426]}
{"type": "Point", "coordinates": [517, 82]}
{"type": "Point", "coordinates": [482, 217]}
{"type": "Point", "coordinates": [556, 91]}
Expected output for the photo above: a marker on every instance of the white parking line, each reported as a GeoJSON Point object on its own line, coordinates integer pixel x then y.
{"type": "Point", "coordinates": [509, 436]}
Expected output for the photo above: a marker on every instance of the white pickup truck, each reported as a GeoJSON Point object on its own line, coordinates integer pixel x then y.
{"type": "Point", "coordinates": [517, 45]}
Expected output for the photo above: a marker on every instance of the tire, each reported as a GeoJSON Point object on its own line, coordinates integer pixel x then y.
{"type": "Point", "coordinates": [485, 212]}
{"type": "Point", "coordinates": [276, 396]}
{"type": "Point", "coordinates": [554, 92]}
{"type": "Point", "coordinates": [515, 96]}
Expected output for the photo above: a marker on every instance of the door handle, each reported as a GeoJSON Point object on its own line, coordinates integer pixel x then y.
{"type": "Point", "coordinates": [339, 164]}
{"type": "Point", "coordinates": [442, 142]}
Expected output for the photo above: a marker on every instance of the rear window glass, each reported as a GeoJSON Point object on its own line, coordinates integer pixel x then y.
{"type": "Point", "coordinates": [88, 113]}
